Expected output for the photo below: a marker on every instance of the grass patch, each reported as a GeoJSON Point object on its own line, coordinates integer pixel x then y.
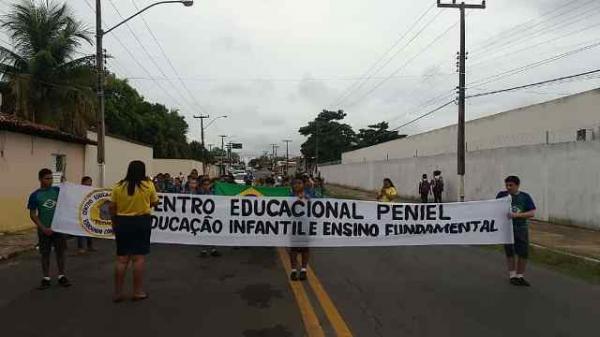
{"type": "Point", "coordinates": [570, 265]}
{"type": "Point", "coordinates": [566, 264]}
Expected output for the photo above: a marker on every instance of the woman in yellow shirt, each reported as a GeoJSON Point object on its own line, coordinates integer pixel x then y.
{"type": "Point", "coordinates": [388, 192]}
{"type": "Point", "coordinates": [131, 207]}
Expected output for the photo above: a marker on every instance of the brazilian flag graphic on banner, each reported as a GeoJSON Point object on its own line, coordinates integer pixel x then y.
{"type": "Point", "coordinates": [256, 191]}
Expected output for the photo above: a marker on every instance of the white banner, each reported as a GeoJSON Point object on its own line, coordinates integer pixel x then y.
{"type": "Point", "coordinates": [290, 222]}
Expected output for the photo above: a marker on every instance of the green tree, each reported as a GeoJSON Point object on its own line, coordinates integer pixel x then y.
{"type": "Point", "coordinates": [42, 79]}
{"type": "Point", "coordinates": [329, 135]}
{"type": "Point", "coordinates": [199, 152]}
{"type": "Point", "coordinates": [376, 134]}
{"type": "Point", "coordinates": [129, 115]}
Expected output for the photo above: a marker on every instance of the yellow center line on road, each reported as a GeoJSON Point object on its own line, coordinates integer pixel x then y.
{"type": "Point", "coordinates": [309, 317]}
{"type": "Point", "coordinates": [339, 325]}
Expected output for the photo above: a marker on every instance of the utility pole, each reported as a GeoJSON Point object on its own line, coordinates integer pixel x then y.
{"type": "Point", "coordinates": [100, 33]}
{"type": "Point", "coordinates": [202, 117]}
{"type": "Point", "coordinates": [210, 146]}
{"type": "Point", "coordinates": [273, 156]}
{"type": "Point", "coordinates": [222, 153]}
{"type": "Point", "coordinates": [287, 156]}
{"type": "Point", "coordinates": [100, 127]}
{"type": "Point", "coordinates": [462, 56]}
{"type": "Point", "coordinates": [317, 146]}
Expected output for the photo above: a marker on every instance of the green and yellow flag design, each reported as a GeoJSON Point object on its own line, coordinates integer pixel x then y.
{"type": "Point", "coordinates": [255, 191]}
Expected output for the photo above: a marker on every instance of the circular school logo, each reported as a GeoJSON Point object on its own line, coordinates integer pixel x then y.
{"type": "Point", "coordinates": [94, 213]}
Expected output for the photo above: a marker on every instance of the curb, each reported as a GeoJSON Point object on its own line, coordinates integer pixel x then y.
{"type": "Point", "coordinates": [558, 251]}
{"type": "Point", "coordinates": [15, 254]}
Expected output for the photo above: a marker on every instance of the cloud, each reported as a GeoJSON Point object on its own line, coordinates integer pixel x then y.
{"type": "Point", "coordinates": [230, 44]}
{"type": "Point", "coordinates": [245, 47]}
{"type": "Point", "coordinates": [314, 91]}
{"type": "Point", "coordinates": [237, 89]}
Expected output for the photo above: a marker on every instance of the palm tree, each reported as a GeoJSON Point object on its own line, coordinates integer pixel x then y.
{"type": "Point", "coordinates": [44, 80]}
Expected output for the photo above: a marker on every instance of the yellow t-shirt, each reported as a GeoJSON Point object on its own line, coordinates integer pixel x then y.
{"type": "Point", "coordinates": [388, 194]}
{"type": "Point", "coordinates": [136, 204]}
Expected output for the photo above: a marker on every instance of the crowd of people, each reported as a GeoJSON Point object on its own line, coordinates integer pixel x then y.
{"type": "Point", "coordinates": [134, 197]}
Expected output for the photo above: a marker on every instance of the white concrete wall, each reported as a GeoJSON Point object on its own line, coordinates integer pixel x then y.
{"type": "Point", "coordinates": [554, 121]}
{"type": "Point", "coordinates": [564, 179]}
{"type": "Point", "coordinates": [21, 157]}
{"type": "Point", "coordinates": [119, 153]}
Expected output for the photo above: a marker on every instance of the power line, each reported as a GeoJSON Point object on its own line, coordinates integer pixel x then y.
{"type": "Point", "coordinates": [527, 67]}
{"type": "Point", "coordinates": [424, 115]}
{"type": "Point", "coordinates": [168, 59]}
{"type": "Point", "coordinates": [146, 52]}
{"type": "Point", "coordinates": [486, 58]}
{"type": "Point", "coordinates": [435, 100]}
{"type": "Point", "coordinates": [587, 73]}
{"type": "Point", "coordinates": [274, 79]}
{"type": "Point", "coordinates": [395, 54]}
{"type": "Point", "coordinates": [523, 31]}
{"type": "Point", "coordinates": [135, 59]}
{"type": "Point", "coordinates": [395, 72]}
{"type": "Point", "coordinates": [536, 84]}
{"type": "Point", "coordinates": [531, 46]}
{"type": "Point", "coordinates": [394, 45]}
{"type": "Point", "coordinates": [508, 33]}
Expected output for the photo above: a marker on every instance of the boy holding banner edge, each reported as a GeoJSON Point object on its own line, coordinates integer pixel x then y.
{"type": "Point", "coordinates": [41, 205]}
{"type": "Point", "coordinates": [299, 191]}
{"type": "Point", "coordinates": [523, 208]}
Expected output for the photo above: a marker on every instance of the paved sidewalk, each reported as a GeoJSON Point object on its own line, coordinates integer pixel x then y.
{"type": "Point", "coordinates": [572, 240]}
{"type": "Point", "coordinates": [11, 244]}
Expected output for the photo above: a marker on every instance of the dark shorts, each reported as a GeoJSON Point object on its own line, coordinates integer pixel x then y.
{"type": "Point", "coordinates": [56, 240]}
{"type": "Point", "coordinates": [132, 235]}
{"type": "Point", "coordinates": [299, 249]}
{"type": "Point", "coordinates": [521, 245]}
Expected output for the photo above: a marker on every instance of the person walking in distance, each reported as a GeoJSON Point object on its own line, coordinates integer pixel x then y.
{"type": "Point", "coordinates": [388, 192]}
{"type": "Point", "coordinates": [41, 205]}
{"type": "Point", "coordinates": [424, 189]}
{"type": "Point", "coordinates": [437, 186]}
{"type": "Point", "coordinates": [132, 200]}
{"type": "Point", "coordinates": [205, 189]}
{"type": "Point", "coordinates": [299, 191]}
{"type": "Point", "coordinates": [83, 241]}
{"type": "Point", "coordinates": [523, 208]}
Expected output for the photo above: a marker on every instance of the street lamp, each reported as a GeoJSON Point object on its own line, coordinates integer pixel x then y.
{"type": "Point", "coordinates": [202, 128]}
{"type": "Point", "coordinates": [100, 127]}
{"type": "Point", "coordinates": [213, 120]}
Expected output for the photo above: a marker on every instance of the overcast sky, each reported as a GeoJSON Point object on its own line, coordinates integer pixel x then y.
{"type": "Point", "coordinates": [272, 65]}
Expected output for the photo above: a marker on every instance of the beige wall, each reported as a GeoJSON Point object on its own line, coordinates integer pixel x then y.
{"type": "Point", "coordinates": [551, 122]}
{"type": "Point", "coordinates": [175, 166]}
{"type": "Point", "coordinates": [21, 157]}
{"type": "Point", "coordinates": [118, 155]}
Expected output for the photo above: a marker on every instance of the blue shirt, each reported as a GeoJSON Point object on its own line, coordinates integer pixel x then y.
{"type": "Point", "coordinates": [521, 203]}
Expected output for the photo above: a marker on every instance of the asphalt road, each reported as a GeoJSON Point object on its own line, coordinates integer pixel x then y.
{"type": "Point", "coordinates": [243, 293]}
{"type": "Point", "coordinates": [406, 291]}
